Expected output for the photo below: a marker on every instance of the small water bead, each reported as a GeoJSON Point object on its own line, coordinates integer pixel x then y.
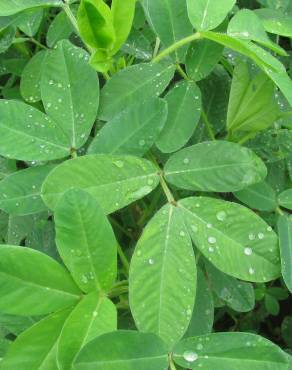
{"type": "Point", "coordinates": [119, 164]}
{"type": "Point", "coordinates": [212, 240]}
{"type": "Point", "coordinates": [211, 249]}
{"type": "Point", "coordinates": [60, 100]}
{"type": "Point", "coordinates": [194, 228]}
{"type": "Point", "coordinates": [51, 82]}
{"type": "Point", "coordinates": [141, 142]}
{"type": "Point", "coordinates": [200, 347]}
{"type": "Point", "coordinates": [151, 261]}
{"type": "Point", "coordinates": [251, 271]}
{"type": "Point", "coordinates": [261, 236]}
{"type": "Point", "coordinates": [182, 233]}
{"type": "Point", "coordinates": [186, 161]}
{"type": "Point", "coordinates": [138, 253]}
{"type": "Point", "coordinates": [150, 182]}
{"type": "Point", "coordinates": [251, 236]}
{"type": "Point", "coordinates": [269, 228]}
{"type": "Point", "coordinates": [221, 216]}
{"type": "Point", "coordinates": [190, 356]}
{"type": "Point", "coordinates": [248, 251]}
{"type": "Point", "coordinates": [209, 226]}
{"type": "Point", "coordinates": [94, 313]}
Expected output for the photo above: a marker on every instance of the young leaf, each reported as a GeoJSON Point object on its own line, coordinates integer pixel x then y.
{"type": "Point", "coordinates": [85, 241]}
{"type": "Point", "coordinates": [208, 14]}
{"type": "Point", "coordinates": [229, 167]}
{"type": "Point", "coordinates": [35, 348]}
{"type": "Point", "coordinates": [124, 178]}
{"type": "Point", "coordinates": [229, 351]}
{"type": "Point", "coordinates": [70, 91]}
{"type": "Point", "coordinates": [92, 317]}
{"type": "Point", "coordinates": [132, 131]}
{"type": "Point", "coordinates": [123, 350]}
{"type": "Point", "coordinates": [31, 77]}
{"type": "Point", "coordinates": [260, 196]}
{"type": "Point", "coordinates": [9, 7]}
{"type": "Point", "coordinates": [233, 238]}
{"type": "Point", "coordinates": [20, 192]}
{"type": "Point", "coordinates": [39, 282]}
{"type": "Point", "coordinates": [285, 199]}
{"type": "Point", "coordinates": [28, 134]}
{"type": "Point", "coordinates": [135, 83]}
{"type": "Point", "coordinates": [163, 277]}
{"type": "Point", "coordinates": [184, 110]}
{"type": "Point", "coordinates": [285, 238]}
{"type": "Point", "coordinates": [169, 19]}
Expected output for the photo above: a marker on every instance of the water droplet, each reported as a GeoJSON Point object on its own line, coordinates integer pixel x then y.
{"type": "Point", "coordinates": [251, 271]}
{"type": "Point", "coordinates": [119, 164]}
{"type": "Point", "coordinates": [248, 251]}
{"type": "Point", "coordinates": [194, 228]}
{"type": "Point", "coordinates": [209, 226]}
{"type": "Point", "coordinates": [186, 161]}
{"type": "Point", "coordinates": [221, 216]}
{"type": "Point", "coordinates": [251, 237]}
{"type": "Point", "coordinates": [190, 356]}
{"type": "Point", "coordinates": [261, 235]}
{"type": "Point", "coordinates": [139, 253]}
{"type": "Point", "coordinates": [151, 261]}
{"type": "Point", "coordinates": [141, 142]}
{"type": "Point", "coordinates": [212, 240]}
{"type": "Point", "coordinates": [51, 82]}
{"type": "Point", "coordinates": [182, 233]}
{"type": "Point", "coordinates": [211, 249]}
{"type": "Point", "coordinates": [269, 228]}
{"type": "Point", "coordinates": [94, 313]}
{"type": "Point", "coordinates": [150, 182]}
{"type": "Point", "coordinates": [199, 346]}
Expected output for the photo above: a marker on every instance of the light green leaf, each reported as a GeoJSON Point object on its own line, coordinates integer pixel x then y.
{"type": "Point", "coordinates": [285, 237]}
{"type": "Point", "coordinates": [203, 313]}
{"type": "Point", "coordinates": [184, 110]}
{"type": "Point", "coordinates": [123, 350]}
{"type": "Point", "coordinates": [34, 279]}
{"type": "Point", "coordinates": [60, 28]}
{"type": "Point", "coordinates": [133, 84]}
{"type": "Point", "coordinates": [208, 14]}
{"type": "Point", "coordinates": [34, 349]}
{"type": "Point", "coordinates": [85, 241]}
{"type": "Point", "coordinates": [285, 199]}
{"type": "Point", "coordinates": [202, 57]}
{"type": "Point", "coordinates": [239, 295]}
{"type": "Point", "coordinates": [28, 134]}
{"type": "Point", "coordinates": [169, 19]}
{"type": "Point", "coordinates": [122, 14]}
{"type": "Point", "coordinates": [31, 77]}
{"type": "Point", "coordinates": [92, 317]}
{"type": "Point", "coordinates": [9, 7]}
{"type": "Point", "coordinates": [233, 238]}
{"type": "Point", "coordinates": [275, 21]}
{"type": "Point", "coordinates": [132, 131]}
{"type": "Point", "coordinates": [30, 21]}
{"type": "Point", "coordinates": [70, 91]}
{"type": "Point", "coordinates": [20, 191]}
{"type": "Point", "coordinates": [124, 178]}
{"type": "Point", "coordinates": [229, 167]}
{"type": "Point", "coordinates": [260, 196]}
{"type": "Point", "coordinates": [230, 351]}
{"type": "Point", "coordinates": [163, 277]}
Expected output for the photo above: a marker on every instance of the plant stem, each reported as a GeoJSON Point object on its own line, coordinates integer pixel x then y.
{"type": "Point", "coordinates": [36, 42]}
{"type": "Point", "coordinates": [177, 45]}
{"type": "Point", "coordinates": [166, 189]}
{"type": "Point", "coordinates": [171, 363]}
{"type": "Point", "coordinates": [123, 258]}
{"type": "Point", "coordinates": [156, 48]}
{"type": "Point", "coordinates": [182, 72]}
{"type": "Point", "coordinates": [279, 211]}
{"type": "Point", "coordinates": [208, 125]}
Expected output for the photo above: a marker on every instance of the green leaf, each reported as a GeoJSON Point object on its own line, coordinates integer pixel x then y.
{"type": "Point", "coordinates": [133, 131]}
{"type": "Point", "coordinates": [184, 110]}
{"type": "Point", "coordinates": [20, 191]}
{"type": "Point", "coordinates": [95, 23]}
{"type": "Point", "coordinates": [275, 21]}
{"type": "Point", "coordinates": [60, 28]}
{"type": "Point", "coordinates": [260, 196]}
{"type": "Point", "coordinates": [208, 14]}
{"type": "Point", "coordinates": [28, 134]}
{"type": "Point", "coordinates": [34, 349]}
{"type": "Point", "coordinates": [124, 178]}
{"type": "Point", "coordinates": [123, 350]}
{"type": "Point", "coordinates": [6, 38]}
{"type": "Point", "coordinates": [92, 317]}
{"type": "Point", "coordinates": [89, 251]}
{"type": "Point", "coordinates": [9, 7]}
{"type": "Point", "coordinates": [70, 91]}
{"type": "Point", "coordinates": [30, 21]}
{"type": "Point", "coordinates": [31, 77]}
{"type": "Point", "coordinates": [34, 279]}
{"type": "Point", "coordinates": [285, 238]}
{"type": "Point", "coordinates": [169, 19]}
{"type": "Point", "coordinates": [272, 305]}
{"type": "Point", "coordinates": [285, 199]}
{"type": "Point", "coordinates": [230, 351]}
{"type": "Point", "coordinates": [163, 277]}
{"type": "Point", "coordinates": [229, 167]}
{"type": "Point", "coordinates": [133, 84]}
{"type": "Point", "coordinates": [203, 313]}
{"type": "Point", "coordinates": [233, 238]}
{"type": "Point", "coordinates": [238, 295]}
{"type": "Point", "coordinates": [123, 14]}
{"type": "Point", "coordinates": [202, 57]}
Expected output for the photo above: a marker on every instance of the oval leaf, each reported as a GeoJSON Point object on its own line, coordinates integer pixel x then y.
{"type": "Point", "coordinates": [9, 7]}
{"type": "Point", "coordinates": [285, 237]}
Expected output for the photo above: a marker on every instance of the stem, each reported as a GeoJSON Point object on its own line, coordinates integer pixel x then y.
{"type": "Point", "coordinates": [156, 48]}
{"type": "Point", "coordinates": [279, 211]}
{"type": "Point", "coordinates": [208, 125]}
{"type": "Point", "coordinates": [166, 189]}
{"type": "Point", "coordinates": [176, 45]}
{"type": "Point", "coordinates": [171, 363]}
{"type": "Point", "coordinates": [123, 258]}
{"type": "Point", "coordinates": [182, 73]}
{"type": "Point", "coordinates": [36, 42]}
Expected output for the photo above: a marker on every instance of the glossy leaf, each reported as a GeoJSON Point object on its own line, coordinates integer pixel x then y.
{"type": "Point", "coordinates": [9, 7]}
{"type": "Point", "coordinates": [163, 277]}
{"type": "Point", "coordinates": [28, 134]}
{"type": "Point", "coordinates": [70, 91]}
{"type": "Point", "coordinates": [92, 317]}
{"type": "Point", "coordinates": [184, 110]}
{"type": "Point", "coordinates": [125, 178]}
{"type": "Point", "coordinates": [230, 350]}
{"type": "Point", "coordinates": [208, 14]}
{"type": "Point", "coordinates": [285, 199]}
{"type": "Point", "coordinates": [135, 82]}
{"type": "Point", "coordinates": [285, 237]}
{"type": "Point", "coordinates": [38, 281]}
{"type": "Point", "coordinates": [132, 131]}
{"type": "Point", "coordinates": [34, 349]}
{"type": "Point", "coordinates": [233, 238]}
{"type": "Point", "coordinates": [169, 19]}
{"type": "Point", "coordinates": [125, 350]}
{"type": "Point", "coordinates": [85, 241]}
{"type": "Point", "coordinates": [229, 167]}
{"type": "Point", "coordinates": [20, 192]}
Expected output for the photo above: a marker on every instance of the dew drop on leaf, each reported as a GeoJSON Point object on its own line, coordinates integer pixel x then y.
{"type": "Point", "coordinates": [190, 356]}
{"type": "Point", "coordinates": [221, 216]}
{"type": "Point", "coordinates": [212, 240]}
{"type": "Point", "coordinates": [248, 251]}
